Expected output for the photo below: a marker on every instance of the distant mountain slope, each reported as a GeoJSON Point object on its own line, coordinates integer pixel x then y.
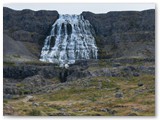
{"type": "Point", "coordinates": [28, 20]}
{"type": "Point", "coordinates": [117, 34]}
{"type": "Point", "coordinates": [124, 33]}
{"type": "Point", "coordinates": [16, 50]}
{"type": "Point", "coordinates": [25, 31]}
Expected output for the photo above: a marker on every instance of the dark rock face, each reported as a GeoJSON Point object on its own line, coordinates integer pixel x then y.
{"type": "Point", "coordinates": [24, 71]}
{"type": "Point", "coordinates": [28, 20]}
{"type": "Point", "coordinates": [29, 37]}
{"type": "Point", "coordinates": [28, 27]}
{"type": "Point", "coordinates": [120, 22]}
{"type": "Point", "coordinates": [118, 34]}
{"type": "Point", "coordinates": [63, 75]}
{"type": "Point", "coordinates": [19, 72]}
{"type": "Point", "coordinates": [124, 33]}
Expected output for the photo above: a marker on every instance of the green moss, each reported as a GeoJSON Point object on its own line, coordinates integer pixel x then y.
{"type": "Point", "coordinates": [24, 91]}
{"type": "Point", "coordinates": [16, 56]}
{"type": "Point", "coordinates": [102, 63]}
{"type": "Point", "coordinates": [20, 85]}
{"type": "Point", "coordinates": [8, 63]}
{"type": "Point", "coordinates": [93, 97]}
{"type": "Point", "coordinates": [77, 99]}
{"type": "Point", "coordinates": [35, 112]}
{"type": "Point", "coordinates": [5, 101]}
{"type": "Point", "coordinates": [57, 97]}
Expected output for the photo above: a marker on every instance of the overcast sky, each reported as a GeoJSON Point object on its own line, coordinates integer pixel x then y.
{"type": "Point", "coordinates": [77, 8]}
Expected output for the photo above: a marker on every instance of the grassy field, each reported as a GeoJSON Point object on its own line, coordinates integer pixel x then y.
{"type": "Point", "coordinates": [97, 96]}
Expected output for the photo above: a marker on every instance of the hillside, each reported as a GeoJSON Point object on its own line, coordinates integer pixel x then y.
{"type": "Point", "coordinates": [117, 34]}
{"type": "Point", "coordinates": [29, 28]}
{"type": "Point", "coordinates": [121, 82]}
{"type": "Point", "coordinates": [124, 34]}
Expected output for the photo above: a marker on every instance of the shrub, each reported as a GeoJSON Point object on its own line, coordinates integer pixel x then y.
{"type": "Point", "coordinates": [35, 112]}
{"type": "Point", "coordinates": [5, 101]}
{"type": "Point", "coordinates": [20, 85]}
{"type": "Point", "coordinates": [7, 63]}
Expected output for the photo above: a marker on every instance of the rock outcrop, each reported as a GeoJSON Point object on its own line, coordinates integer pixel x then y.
{"type": "Point", "coordinates": [22, 22]}
{"type": "Point", "coordinates": [27, 79]}
{"type": "Point", "coordinates": [124, 33]}
{"type": "Point", "coordinates": [29, 27]}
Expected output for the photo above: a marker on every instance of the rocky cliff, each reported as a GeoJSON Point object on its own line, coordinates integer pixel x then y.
{"type": "Point", "coordinates": [117, 34]}
{"type": "Point", "coordinates": [28, 27]}
{"type": "Point", "coordinates": [124, 33]}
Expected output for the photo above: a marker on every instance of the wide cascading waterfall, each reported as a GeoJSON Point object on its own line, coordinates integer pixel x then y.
{"type": "Point", "coordinates": [70, 39]}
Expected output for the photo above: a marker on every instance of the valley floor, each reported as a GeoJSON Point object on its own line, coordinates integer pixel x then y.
{"type": "Point", "coordinates": [101, 96]}
{"type": "Point", "coordinates": [90, 96]}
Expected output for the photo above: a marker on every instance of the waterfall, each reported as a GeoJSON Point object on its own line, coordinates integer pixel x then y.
{"type": "Point", "coordinates": [70, 39]}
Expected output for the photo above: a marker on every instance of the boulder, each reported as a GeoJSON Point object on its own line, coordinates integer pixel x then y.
{"type": "Point", "coordinates": [119, 95]}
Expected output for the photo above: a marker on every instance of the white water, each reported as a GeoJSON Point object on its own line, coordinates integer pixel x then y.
{"type": "Point", "coordinates": [70, 40]}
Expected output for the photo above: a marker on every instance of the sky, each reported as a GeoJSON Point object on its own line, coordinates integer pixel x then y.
{"type": "Point", "coordinates": [77, 8]}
